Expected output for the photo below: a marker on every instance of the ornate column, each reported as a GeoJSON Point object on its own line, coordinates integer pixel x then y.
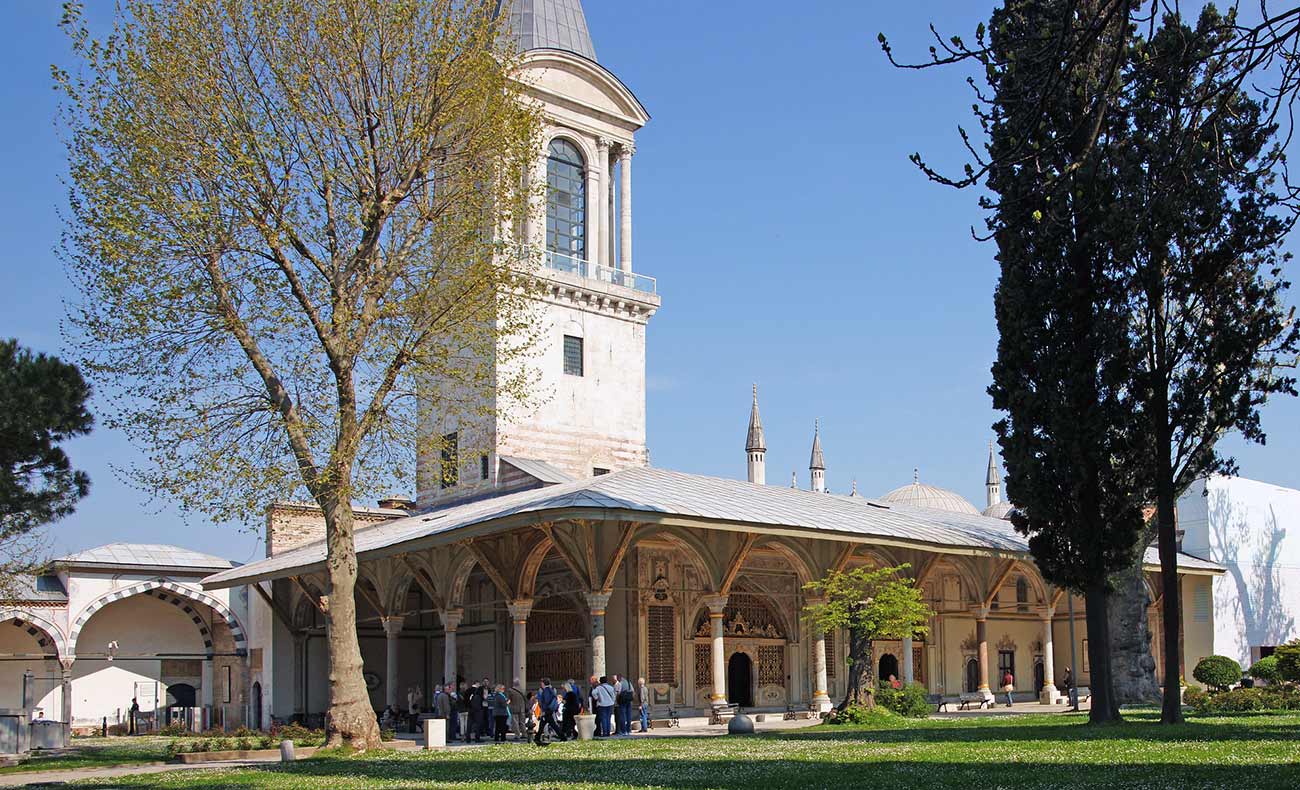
{"type": "Point", "coordinates": [1049, 693]}
{"type": "Point", "coordinates": [625, 207]}
{"type": "Point", "coordinates": [717, 604]}
{"type": "Point", "coordinates": [597, 601]}
{"type": "Point", "coordinates": [450, 622]}
{"type": "Point", "coordinates": [982, 638]}
{"type": "Point", "coordinates": [65, 697]}
{"type": "Point", "coordinates": [598, 206]}
{"type": "Point", "coordinates": [909, 672]}
{"type": "Point", "coordinates": [392, 628]}
{"type": "Point", "coordinates": [519, 620]}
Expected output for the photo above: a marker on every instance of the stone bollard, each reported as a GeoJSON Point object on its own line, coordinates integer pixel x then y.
{"type": "Point", "coordinates": [286, 751]}
{"type": "Point", "coordinates": [586, 725]}
{"type": "Point", "coordinates": [435, 734]}
{"type": "Point", "coordinates": [740, 724]}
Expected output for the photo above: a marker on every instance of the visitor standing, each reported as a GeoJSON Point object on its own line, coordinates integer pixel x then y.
{"type": "Point", "coordinates": [500, 707]}
{"type": "Point", "coordinates": [518, 704]}
{"type": "Point", "coordinates": [1008, 685]}
{"type": "Point", "coordinates": [643, 699]}
{"type": "Point", "coordinates": [474, 708]}
{"type": "Point", "coordinates": [604, 698]}
{"type": "Point", "coordinates": [623, 698]}
{"type": "Point", "coordinates": [487, 719]}
{"type": "Point", "coordinates": [572, 707]}
{"type": "Point", "coordinates": [134, 713]}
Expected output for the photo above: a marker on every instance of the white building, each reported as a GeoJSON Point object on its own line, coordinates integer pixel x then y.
{"type": "Point", "coordinates": [1252, 529]}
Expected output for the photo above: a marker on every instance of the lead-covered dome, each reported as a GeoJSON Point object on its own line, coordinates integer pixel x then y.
{"type": "Point", "coordinates": [918, 494]}
{"type": "Point", "coordinates": [1000, 510]}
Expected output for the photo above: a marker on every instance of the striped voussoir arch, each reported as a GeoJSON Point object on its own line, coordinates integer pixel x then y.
{"type": "Point", "coordinates": [177, 595]}
{"type": "Point", "coordinates": [46, 634]}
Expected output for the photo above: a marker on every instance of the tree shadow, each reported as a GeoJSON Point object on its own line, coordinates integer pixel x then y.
{"type": "Point", "coordinates": [1252, 559]}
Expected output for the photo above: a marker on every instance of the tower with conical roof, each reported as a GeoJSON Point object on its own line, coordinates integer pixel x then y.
{"type": "Point", "coordinates": [755, 446]}
{"type": "Point", "coordinates": [993, 480]}
{"type": "Point", "coordinates": [817, 463]}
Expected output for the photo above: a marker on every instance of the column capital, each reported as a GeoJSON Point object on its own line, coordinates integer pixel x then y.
{"type": "Point", "coordinates": [603, 144]}
{"type": "Point", "coordinates": [520, 609]}
{"type": "Point", "coordinates": [392, 625]}
{"type": "Point", "coordinates": [451, 618]}
{"type": "Point", "coordinates": [980, 613]}
{"type": "Point", "coordinates": [66, 663]}
{"type": "Point", "coordinates": [597, 601]}
{"type": "Point", "coordinates": [626, 151]}
{"type": "Point", "coordinates": [716, 604]}
{"type": "Point", "coordinates": [1047, 612]}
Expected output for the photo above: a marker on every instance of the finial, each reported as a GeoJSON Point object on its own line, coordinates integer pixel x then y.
{"type": "Point", "coordinates": [794, 480]}
{"type": "Point", "coordinates": [854, 491]}
{"type": "Point", "coordinates": [756, 392]}
{"type": "Point", "coordinates": [916, 476]}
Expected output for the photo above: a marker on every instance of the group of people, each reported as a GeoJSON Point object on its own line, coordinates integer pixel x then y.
{"type": "Point", "coordinates": [480, 710]}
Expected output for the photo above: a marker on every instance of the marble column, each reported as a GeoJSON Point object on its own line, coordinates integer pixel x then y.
{"type": "Point", "coordinates": [982, 637]}
{"type": "Point", "coordinates": [597, 601]}
{"type": "Point", "coordinates": [821, 697]}
{"type": "Point", "coordinates": [625, 207]}
{"type": "Point", "coordinates": [1049, 693]}
{"type": "Point", "coordinates": [717, 605]}
{"type": "Point", "coordinates": [598, 206]}
{"type": "Point", "coordinates": [65, 698]}
{"type": "Point", "coordinates": [392, 628]}
{"type": "Point", "coordinates": [450, 622]}
{"type": "Point", "coordinates": [519, 611]}
{"type": "Point", "coordinates": [909, 671]}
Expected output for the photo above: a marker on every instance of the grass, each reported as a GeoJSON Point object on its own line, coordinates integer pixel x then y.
{"type": "Point", "coordinates": [97, 753]}
{"type": "Point", "coordinates": [1041, 751]}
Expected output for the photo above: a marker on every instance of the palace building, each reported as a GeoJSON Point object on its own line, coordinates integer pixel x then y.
{"type": "Point", "coordinates": [555, 549]}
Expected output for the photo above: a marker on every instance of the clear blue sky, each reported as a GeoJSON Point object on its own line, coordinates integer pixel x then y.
{"type": "Point", "coordinates": [795, 247]}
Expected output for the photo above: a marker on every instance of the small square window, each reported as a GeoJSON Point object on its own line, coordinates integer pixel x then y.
{"type": "Point", "coordinates": [573, 355]}
{"type": "Point", "coordinates": [483, 466]}
{"type": "Point", "coordinates": [598, 471]}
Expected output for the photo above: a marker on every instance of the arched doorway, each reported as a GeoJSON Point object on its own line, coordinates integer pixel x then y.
{"type": "Point", "coordinates": [180, 695]}
{"type": "Point", "coordinates": [740, 680]}
{"type": "Point", "coordinates": [972, 675]}
{"type": "Point", "coordinates": [257, 706]}
{"type": "Point", "coordinates": [1039, 680]}
{"type": "Point", "coordinates": [888, 668]}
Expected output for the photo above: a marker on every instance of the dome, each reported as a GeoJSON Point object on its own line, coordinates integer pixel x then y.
{"type": "Point", "coordinates": [918, 494]}
{"type": "Point", "coordinates": [1001, 510]}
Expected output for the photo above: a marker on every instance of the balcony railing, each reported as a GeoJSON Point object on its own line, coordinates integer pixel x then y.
{"type": "Point", "coordinates": [559, 262]}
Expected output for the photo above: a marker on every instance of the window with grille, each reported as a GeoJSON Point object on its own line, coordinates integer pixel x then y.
{"type": "Point", "coordinates": [771, 665]}
{"type": "Point", "coordinates": [830, 654]}
{"type": "Point", "coordinates": [450, 460]}
{"type": "Point", "coordinates": [703, 667]}
{"type": "Point", "coordinates": [573, 355]}
{"type": "Point", "coordinates": [661, 633]}
{"type": "Point", "coordinates": [566, 200]}
{"type": "Point", "coordinates": [483, 467]}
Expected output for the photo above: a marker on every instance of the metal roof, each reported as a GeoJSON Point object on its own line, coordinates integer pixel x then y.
{"type": "Point", "coordinates": [144, 554]}
{"type": "Point", "coordinates": [540, 470]}
{"type": "Point", "coordinates": [548, 24]}
{"type": "Point", "coordinates": [918, 494]}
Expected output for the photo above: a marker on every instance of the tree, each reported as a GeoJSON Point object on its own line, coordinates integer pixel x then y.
{"type": "Point", "coordinates": [1217, 672]}
{"type": "Point", "coordinates": [1288, 661]}
{"type": "Point", "coordinates": [871, 604]}
{"type": "Point", "coordinates": [1068, 438]}
{"type": "Point", "coordinates": [1198, 230]}
{"type": "Point", "coordinates": [288, 224]}
{"type": "Point", "coordinates": [42, 404]}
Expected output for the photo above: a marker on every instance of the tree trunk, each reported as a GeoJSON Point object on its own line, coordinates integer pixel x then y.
{"type": "Point", "coordinates": [1171, 709]}
{"type": "Point", "coordinates": [861, 677]}
{"type": "Point", "coordinates": [1130, 638]}
{"type": "Point", "coordinates": [350, 720]}
{"type": "Point", "coordinates": [1104, 708]}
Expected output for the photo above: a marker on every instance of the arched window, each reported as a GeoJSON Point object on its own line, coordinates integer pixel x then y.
{"type": "Point", "coordinates": [1022, 594]}
{"type": "Point", "coordinates": [566, 200]}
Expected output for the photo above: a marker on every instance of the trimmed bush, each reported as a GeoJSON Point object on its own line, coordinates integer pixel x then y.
{"type": "Point", "coordinates": [907, 701]}
{"type": "Point", "coordinates": [1195, 697]}
{"type": "Point", "coordinates": [1288, 660]}
{"type": "Point", "coordinates": [860, 714]}
{"type": "Point", "coordinates": [1266, 669]}
{"type": "Point", "coordinates": [1218, 672]}
{"type": "Point", "coordinates": [1242, 700]}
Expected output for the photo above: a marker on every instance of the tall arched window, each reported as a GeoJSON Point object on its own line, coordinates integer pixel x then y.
{"type": "Point", "coordinates": [566, 200]}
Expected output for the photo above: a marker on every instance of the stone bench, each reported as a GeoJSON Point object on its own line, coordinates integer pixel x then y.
{"type": "Point", "coordinates": [722, 714]}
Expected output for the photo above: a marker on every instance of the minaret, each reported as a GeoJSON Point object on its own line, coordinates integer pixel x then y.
{"type": "Point", "coordinates": [755, 447]}
{"type": "Point", "coordinates": [993, 480]}
{"type": "Point", "coordinates": [817, 464]}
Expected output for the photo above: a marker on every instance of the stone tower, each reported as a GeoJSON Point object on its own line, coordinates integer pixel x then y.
{"type": "Point", "coordinates": [587, 412]}
{"type": "Point", "coordinates": [817, 463]}
{"type": "Point", "coordinates": [755, 446]}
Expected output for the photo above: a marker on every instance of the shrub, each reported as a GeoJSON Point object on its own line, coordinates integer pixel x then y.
{"type": "Point", "coordinates": [1288, 660]}
{"type": "Point", "coordinates": [1218, 672]}
{"type": "Point", "coordinates": [173, 729]}
{"type": "Point", "coordinates": [1195, 697]}
{"type": "Point", "coordinates": [1266, 669]}
{"type": "Point", "coordinates": [907, 701]}
{"type": "Point", "coordinates": [1243, 700]}
{"type": "Point", "coordinates": [861, 714]}
{"type": "Point", "coordinates": [300, 735]}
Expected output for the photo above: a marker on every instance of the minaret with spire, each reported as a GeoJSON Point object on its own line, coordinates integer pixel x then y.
{"type": "Point", "coordinates": [755, 446]}
{"type": "Point", "coordinates": [817, 463]}
{"type": "Point", "coordinates": [993, 480]}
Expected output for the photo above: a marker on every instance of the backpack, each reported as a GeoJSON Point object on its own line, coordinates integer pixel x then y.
{"type": "Point", "coordinates": [625, 697]}
{"type": "Point", "coordinates": [546, 699]}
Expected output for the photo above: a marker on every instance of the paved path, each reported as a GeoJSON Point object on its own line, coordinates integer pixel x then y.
{"type": "Point", "coordinates": [111, 772]}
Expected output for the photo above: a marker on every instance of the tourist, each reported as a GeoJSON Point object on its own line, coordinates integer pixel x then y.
{"type": "Point", "coordinates": [643, 699]}
{"type": "Point", "coordinates": [474, 711]}
{"type": "Point", "coordinates": [518, 706]}
{"type": "Point", "coordinates": [454, 704]}
{"type": "Point", "coordinates": [134, 714]}
{"type": "Point", "coordinates": [548, 703]}
{"type": "Point", "coordinates": [894, 682]}
{"type": "Point", "coordinates": [571, 708]}
{"type": "Point", "coordinates": [1008, 685]}
{"type": "Point", "coordinates": [487, 719]}
{"type": "Point", "coordinates": [623, 698]}
{"type": "Point", "coordinates": [442, 708]}
{"type": "Point", "coordinates": [499, 704]}
{"type": "Point", "coordinates": [603, 697]}
{"type": "Point", "coordinates": [1068, 685]}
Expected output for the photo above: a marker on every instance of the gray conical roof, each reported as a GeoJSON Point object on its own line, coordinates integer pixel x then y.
{"type": "Point", "coordinates": [818, 461]}
{"type": "Point", "coordinates": [548, 24]}
{"type": "Point", "coordinates": [994, 477]}
{"type": "Point", "coordinates": [754, 441]}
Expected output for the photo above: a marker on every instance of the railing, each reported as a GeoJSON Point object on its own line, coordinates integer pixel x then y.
{"type": "Point", "coordinates": [559, 262]}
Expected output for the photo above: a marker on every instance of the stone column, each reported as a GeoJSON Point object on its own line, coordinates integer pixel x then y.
{"type": "Point", "coordinates": [519, 619]}
{"type": "Point", "coordinates": [625, 207]}
{"type": "Point", "coordinates": [450, 622]}
{"type": "Point", "coordinates": [392, 628]}
{"type": "Point", "coordinates": [821, 698]}
{"type": "Point", "coordinates": [909, 672]}
{"type": "Point", "coordinates": [1049, 693]}
{"type": "Point", "coordinates": [717, 604]}
{"type": "Point", "coordinates": [982, 637]}
{"type": "Point", "coordinates": [598, 207]}
{"type": "Point", "coordinates": [65, 698]}
{"type": "Point", "coordinates": [207, 682]}
{"type": "Point", "coordinates": [300, 673]}
{"type": "Point", "coordinates": [597, 601]}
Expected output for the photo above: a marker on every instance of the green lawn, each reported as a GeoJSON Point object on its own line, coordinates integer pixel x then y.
{"type": "Point", "coordinates": [971, 754]}
{"type": "Point", "coordinates": [97, 753]}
